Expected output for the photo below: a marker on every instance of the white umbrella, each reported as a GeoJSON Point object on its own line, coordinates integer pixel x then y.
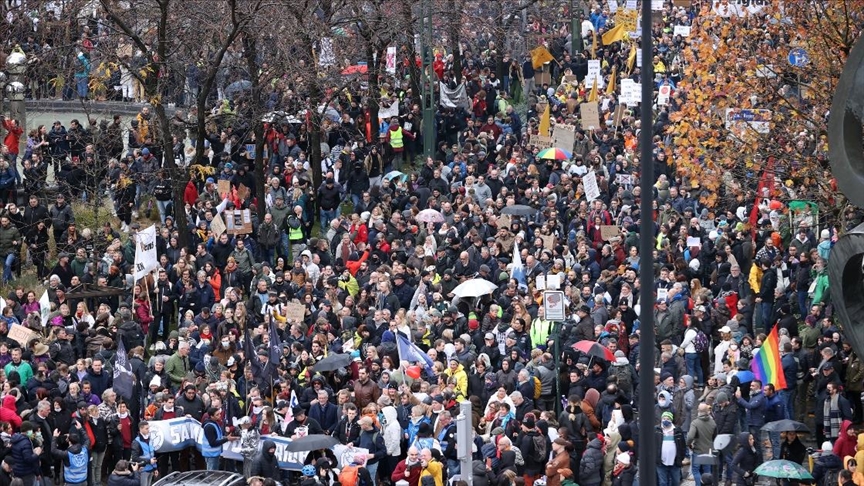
{"type": "Point", "coordinates": [429, 216]}
{"type": "Point", "coordinates": [475, 287]}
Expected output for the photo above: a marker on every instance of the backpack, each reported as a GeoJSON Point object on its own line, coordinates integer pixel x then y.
{"type": "Point", "coordinates": [349, 475]}
{"type": "Point", "coordinates": [538, 452]}
{"type": "Point", "coordinates": [427, 481]}
{"type": "Point", "coordinates": [520, 461]}
{"type": "Point", "coordinates": [830, 478]}
{"type": "Point", "coordinates": [624, 377]}
{"type": "Point", "coordinates": [293, 221]}
{"type": "Point", "coordinates": [537, 388]}
{"type": "Point", "coordinates": [700, 342]}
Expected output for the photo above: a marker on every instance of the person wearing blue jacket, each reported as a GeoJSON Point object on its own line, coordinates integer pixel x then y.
{"type": "Point", "coordinates": [23, 456]}
{"type": "Point", "coordinates": [755, 411]}
{"type": "Point", "coordinates": [75, 459]}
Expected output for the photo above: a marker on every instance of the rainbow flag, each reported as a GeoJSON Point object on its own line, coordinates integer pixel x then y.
{"type": "Point", "coordinates": [766, 365]}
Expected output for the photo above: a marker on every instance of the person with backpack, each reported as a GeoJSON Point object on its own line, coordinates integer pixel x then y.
{"type": "Point", "coordinates": [372, 440]}
{"type": "Point", "coordinates": [827, 466]}
{"type": "Point", "coordinates": [694, 344]}
{"type": "Point", "coordinates": [533, 446]}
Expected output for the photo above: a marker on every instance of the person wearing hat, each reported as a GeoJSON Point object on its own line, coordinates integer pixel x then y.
{"type": "Point", "coordinates": [302, 420]}
{"type": "Point", "coordinates": [122, 475]}
{"type": "Point", "coordinates": [624, 473]}
{"type": "Point", "coordinates": [584, 330]}
{"type": "Point", "coordinates": [560, 460]}
{"type": "Point", "coordinates": [671, 449]}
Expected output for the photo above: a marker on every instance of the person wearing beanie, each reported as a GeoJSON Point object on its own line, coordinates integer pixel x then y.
{"type": "Point", "coordinates": [700, 438]}
{"type": "Point", "coordinates": [623, 474]}
{"type": "Point", "coordinates": [671, 449]}
{"type": "Point", "coordinates": [560, 460]}
{"type": "Point", "coordinates": [534, 447]}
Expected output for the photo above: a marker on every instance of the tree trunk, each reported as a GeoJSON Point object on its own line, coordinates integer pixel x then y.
{"type": "Point", "coordinates": [250, 54]}
{"type": "Point", "coordinates": [374, 88]}
{"type": "Point", "coordinates": [454, 42]}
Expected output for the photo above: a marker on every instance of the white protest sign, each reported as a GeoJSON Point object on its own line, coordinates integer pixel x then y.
{"type": "Point", "coordinates": [613, 6]}
{"type": "Point", "coordinates": [694, 242]}
{"type": "Point", "coordinates": [631, 4]}
{"type": "Point", "coordinates": [592, 190]}
{"type": "Point", "coordinates": [631, 92]}
{"type": "Point", "coordinates": [391, 59]}
{"type": "Point", "coordinates": [656, 5]}
{"type": "Point", "coordinates": [682, 30]}
{"type": "Point", "coordinates": [146, 259]}
{"type": "Point", "coordinates": [663, 96]}
{"type": "Point", "coordinates": [594, 74]}
{"type": "Point", "coordinates": [639, 58]}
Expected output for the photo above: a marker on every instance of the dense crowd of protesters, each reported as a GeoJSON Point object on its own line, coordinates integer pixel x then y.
{"type": "Point", "coordinates": [367, 272]}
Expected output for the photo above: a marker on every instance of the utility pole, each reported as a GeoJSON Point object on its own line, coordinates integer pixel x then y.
{"type": "Point", "coordinates": [428, 78]}
{"type": "Point", "coordinates": [576, 45]}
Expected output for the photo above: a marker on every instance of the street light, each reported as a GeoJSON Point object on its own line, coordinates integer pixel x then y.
{"type": "Point", "coordinates": [16, 66]}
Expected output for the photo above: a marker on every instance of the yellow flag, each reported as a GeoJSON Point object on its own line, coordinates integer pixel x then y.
{"type": "Point", "coordinates": [616, 34]}
{"type": "Point", "coordinates": [540, 56]}
{"type": "Point", "coordinates": [544, 122]}
{"type": "Point", "coordinates": [592, 96]}
{"type": "Point", "coordinates": [631, 59]}
{"type": "Point", "coordinates": [610, 89]}
{"type": "Point", "coordinates": [594, 44]}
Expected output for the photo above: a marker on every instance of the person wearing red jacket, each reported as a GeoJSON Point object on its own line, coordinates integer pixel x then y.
{"type": "Point", "coordinates": [12, 140]}
{"type": "Point", "coordinates": [9, 412]}
{"type": "Point", "coordinates": [354, 265]}
{"type": "Point", "coordinates": [190, 194]}
{"type": "Point", "coordinates": [408, 469]}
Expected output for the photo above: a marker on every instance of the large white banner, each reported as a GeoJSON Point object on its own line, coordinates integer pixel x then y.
{"type": "Point", "coordinates": [594, 74]}
{"type": "Point", "coordinates": [146, 259]}
{"type": "Point", "coordinates": [454, 98]}
{"type": "Point", "coordinates": [592, 190]}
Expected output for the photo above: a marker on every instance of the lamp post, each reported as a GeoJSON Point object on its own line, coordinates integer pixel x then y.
{"type": "Point", "coordinates": [16, 66]}
{"type": "Point", "coordinates": [576, 45]}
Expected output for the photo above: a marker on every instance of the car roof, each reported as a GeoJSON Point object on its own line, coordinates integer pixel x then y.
{"type": "Point", "coordinates": [208, 478]}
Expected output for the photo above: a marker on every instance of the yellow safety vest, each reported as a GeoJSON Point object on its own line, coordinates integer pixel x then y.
{"type": "Point", "coordinates": [295, 234]}
{"type": "Point", "coordinates": [396, 138]}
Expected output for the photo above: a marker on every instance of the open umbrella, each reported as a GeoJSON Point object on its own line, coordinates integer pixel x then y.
{"type": "Point", "coordinates": [312, 442]}
{"type": "Point", "coordinates": [519, 210]}
{"type": "Point", "coordinates": [476, 287]}
{"type": "Point", "coordinates": [554, 154]}
{"type": "Point", "coordinates": [332, 362]}
{"type": "Point", "coordinates": [595, 349]}
{"type": "Point", "coordinates": [786, 425]}
{"type": "Point", "coordinates": [429, 216]}
{"type": "Point", "coordinates": [394, 174]}
{"type": "Point", "coordinates": [783, 470]}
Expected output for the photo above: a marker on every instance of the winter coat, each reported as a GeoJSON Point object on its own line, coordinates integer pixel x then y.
{"type": "Point", "coordinates": [392, 431]}
{"type": "Point", "coordinates": [680, 445]}
{"type": "Point", "coordinates": [701, 434]}
{"type": "Point", "coordinates": [591, 466]}
{"type": "Point", "coordinates": [526, 445]}
{"type": "Point", "coordinates": [132, 479]}
{"type": "Point", "coordinates": [9, 412]}
{"type": "Point", "coordinates": [625, 478]}
{"type": "Point", "coordinates": [265, 464]}
{"type": "Point", "coordinates": [844, 446]}
{"type": "Point", "coordinates": [746, 458]}
{"type": "Point", "coordinates": [559, 462]}
{"type": "Point", "coordinates": [24, 461]}
{"type": "Point", "coordinates": [373, 441]}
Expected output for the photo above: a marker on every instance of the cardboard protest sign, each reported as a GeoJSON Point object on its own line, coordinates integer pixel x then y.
{"type": "Point", "coordinates": [564, 137]}
{"type": "Point", "coordinates": [295, 312]}
{"type": "Point", "coordinates": [590, 114]}
{"type": "Point", "coordinates": [607, 232]}
{"type": "Point", "coordinates": [548, 241]}
{"type": "Point", "coordinates": [21, 334]}
{"type": "Point", "coordinates": [238, 221]}
{"type": "Point", "coordinates": [224, 187]}
{"type": "Point", "coordinates": [217, 226]}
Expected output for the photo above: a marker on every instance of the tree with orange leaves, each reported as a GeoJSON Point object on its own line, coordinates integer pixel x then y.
{"type": "Point", "coordinates": [737, 69]}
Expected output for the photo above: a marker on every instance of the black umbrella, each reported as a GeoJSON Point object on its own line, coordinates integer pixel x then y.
{"type": "Point", "coordinates": [519, 210]}
{"type": "Point", "coordinates": [312, 442]}
{"type": "Point", "coordinates": [332, 362]}
{"type": "Point", "coordinates": [785, 425]}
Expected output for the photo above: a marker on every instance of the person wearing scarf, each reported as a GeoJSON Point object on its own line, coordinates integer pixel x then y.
{"type": "Point", "coordinates": [671, 448]}
{"type": "Point", "coordinates": [624, 473]}
{"type": "Point", "coordinates": [836, 409]}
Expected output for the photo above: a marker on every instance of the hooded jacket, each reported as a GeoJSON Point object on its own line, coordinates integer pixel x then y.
{"type": "Point", "coordinates": [265, 464]}
{"type": "Point", "coordinates": [845, 445]}
{"type": "Point", "coordinates": [591, 466]}
{"type": "Point", "coordinates": [24, 461]}
{"type": "Point", "coordinates": [461, 380]}
{"type": "Point", "coordinates": [701, 434]}
{"type": "Point", "coordinates": [392, 431]}
{"type": "Point", "coordinates": [9, 412]}
{"type": "Point", "coordinates": [746, 459]}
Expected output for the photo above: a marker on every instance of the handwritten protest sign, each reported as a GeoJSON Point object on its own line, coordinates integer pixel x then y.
{"type": "Point", "coordinates": [21, 334]}
{"type": "Point", "coordinates": [217, 225]}
{"type": "Point", "coordinates": [607, 232]}
{"type": "Point", "coordinates": [238, 221]}
{"type": "Point", "coordinates": [295, 312]}
{"type": "Point", "coordinates": [224, 187]}
{"type": "Point", "coordinates": [590, 115]}
{"type": "Point", "coordinates": [592, 190]}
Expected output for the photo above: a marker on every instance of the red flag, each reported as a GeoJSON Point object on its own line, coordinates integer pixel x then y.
{"type": "Point", "coordinates": [763, 191]}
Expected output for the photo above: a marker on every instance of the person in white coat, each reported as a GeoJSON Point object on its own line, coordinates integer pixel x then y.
{"type": "Point", "coordinates": [392, 436]}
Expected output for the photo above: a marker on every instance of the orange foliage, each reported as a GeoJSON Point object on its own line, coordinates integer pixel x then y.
{"type": "Point", "coordinates": [742, 63]}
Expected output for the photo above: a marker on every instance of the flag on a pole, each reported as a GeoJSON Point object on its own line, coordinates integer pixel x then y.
{"type": "Point", "coordinates": [289, 417]}
{"type": "Point", "coordinates": [610, 89]}
{"type": "Point", "coordinates": [631, 59]}
{"type": "Point", "coordinates": [615, 34]}
{"type": "Point", "coordinates": [45, 307]}
{"type": "Point", "coordinates": [592, 96]}
{"type": "Point", "coordinates": [275, 344]}
{"type": "Point", "coordinates": [124, 379]}
{"type": "Point", "coordinates": [249, 351]}
{"type": "Point", "coordinates": [766, 364]}
{"type": "Point", "coordinates": [146, 259]}
{"type": "Point", "coordinates": [517, 271]}
{"type": "Point", "coordinates": [409, 352]}
{"type": "Point", "coordinates": [545, 122]}
{"type": "Point", "coordinates": [540, 56]}
{"type": "Point", "coordinates": [763, 191]}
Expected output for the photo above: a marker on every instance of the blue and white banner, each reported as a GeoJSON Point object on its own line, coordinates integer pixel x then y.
{"type": "Point", "coordinates": [180, 433]}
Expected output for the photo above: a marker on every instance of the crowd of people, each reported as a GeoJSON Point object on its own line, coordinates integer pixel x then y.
{"type": "Point", "coordinates": [228, 330]}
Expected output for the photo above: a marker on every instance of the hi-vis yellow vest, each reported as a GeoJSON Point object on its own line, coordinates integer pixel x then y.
{"type": "Point", "coordinates": [396, 138]}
